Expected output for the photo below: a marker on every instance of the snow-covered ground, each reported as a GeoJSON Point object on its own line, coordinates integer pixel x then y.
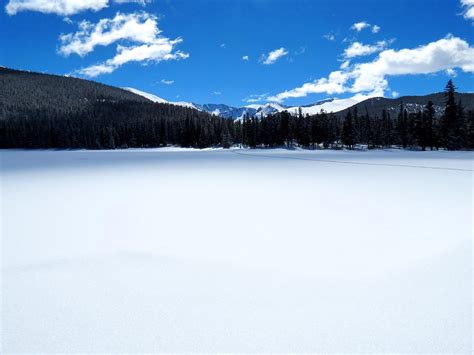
{"type": "Point", "coordinates": [243, 251]}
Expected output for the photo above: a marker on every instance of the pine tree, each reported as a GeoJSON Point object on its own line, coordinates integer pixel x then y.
{"type": "Point", "coordinates": [428, 121]}
{"type": "Point", "coordinates": [449, 126]}
{"type": "Point", "coordinates": [402, 125]}
{"type": "Point", "coordinates": [348, 131]}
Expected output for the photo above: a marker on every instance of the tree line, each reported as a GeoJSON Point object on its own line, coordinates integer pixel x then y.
{"type": "Point", "coordinates": [111, 124]}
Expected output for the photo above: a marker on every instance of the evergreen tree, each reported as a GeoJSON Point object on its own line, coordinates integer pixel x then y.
{"type": "Point", "coordinates": [450, 137]}
{"type": "Point", "coordinates": [348, 131]}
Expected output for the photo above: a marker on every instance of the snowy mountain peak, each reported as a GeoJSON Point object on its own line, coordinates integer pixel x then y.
{"type": "Point", "coordinates": [158, 99]}
{"type": "Point", "coordinates": [147, 95]}
{"type": "Point", "coordinates": [258, 110]}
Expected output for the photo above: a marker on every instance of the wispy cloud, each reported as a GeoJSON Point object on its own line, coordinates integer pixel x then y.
{"type": "Point", "coordinates": [140, 2]}
{"type": "Point", "coordinates": [273, 56]}
{"type": "Point", "coordinates": [468, 6]}
{"type": "Point", "coordinates": [329, 36]}
{"type": "Point", "coordinates": [245, 57]}
{"type": "Point", "coordinates": [167, 82]}
{"type": "Point", "coordinates": [256, 98]}
{"type": "Point", "coordinates": [375, 29]}
{"type": "Point", "coordinates": [216, 93]}
{"type": "Point", "coordinates": [300, 51]}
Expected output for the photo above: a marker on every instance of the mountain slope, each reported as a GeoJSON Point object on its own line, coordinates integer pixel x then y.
{"type": "Point", "coordinates": [159, 100]}
{"type": "Point", "coordinates": [375, 106]}
{"type": "Point", "coordinates": [28, 90]}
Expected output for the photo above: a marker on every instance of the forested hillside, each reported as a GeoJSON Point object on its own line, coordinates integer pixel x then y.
{"type": "Point", "coordinates": [375, 106]}
{"type": "Point", "coordinates": [47, 111]}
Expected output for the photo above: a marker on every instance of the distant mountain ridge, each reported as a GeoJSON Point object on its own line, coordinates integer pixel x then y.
{"type": "Point", "coordinates": [29, 89]}
{"type": "Point", "coordinates": [258, 110]}
{"type": "Point", "coordinates": [375, 106]}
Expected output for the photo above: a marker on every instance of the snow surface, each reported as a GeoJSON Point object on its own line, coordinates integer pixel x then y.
{"type": "Point", "coordinates": [170, 250]}
{"type": "Point", "coordinates": [158, 99]}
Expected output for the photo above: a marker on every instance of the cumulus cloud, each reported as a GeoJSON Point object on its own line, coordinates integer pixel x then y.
{"type": "Point", "coordinates": [59, 7]}
{"type": "Point", "coordinates": [468, 6]}
{"type": "Point", "coordinates": [245, 57]}
{"type": "Point", "coordinates": [136, 27]}
{"type": "Point", "coordinates": [359, 26]}
{"type": "Point", "coordinates": [140, 29]}
{"type": "Point", "coordinates": [371, 78]}
{"type": "Point", "coordinates": [273, 56]}
{"type": "Point", "coordinates": [63, 7]}
{"type": "Point", "coordinates": [160, 50]}
{"type": "Point", "coordinates": [358, 49]}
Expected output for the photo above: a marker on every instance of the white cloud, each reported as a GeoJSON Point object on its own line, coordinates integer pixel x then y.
{"type": "Point", "coordinates": [395, 94]}
{"type": "Point", "coordinates": [358, 49]}
{"type": "Point", "coordinates": [139, 28]}
{"type": "Point", "coordinates": [333, 84]}
{"type": "Point", "coordinates": [63, 7]}
{"type": "Point", "coordinates": [216, 93]}
{"type": "Point", "coordinates": [468, 6]}
{"type": "Point", "coordinates": [256, 98]}
{"type": "Point", "coordinates": [245, 57]}
{"type": "Point", "coordinates": [345, 64]}
{"type": "Point", "coordinates": [451, 72]}
{"type": "Point", "coordinates": [167, 82]}
{"type": "Point", "coordinates": [160, 50]}
{"type": "Point", "coordinates": [300, 51]}
{"type": "Point", "coordinates": [140, 2]}
{"type": "Point", "coordinates": [359, 26]}
{"type": "Point", "coordinates": [223, 45]}
{"type": "Point", "coordinates": [59, 7]}
{"type": "Point", "coordinates": [371, 77]}
{"type": "Point", "coordinates": [136, 27]}
{"type": "Point", "coordinates": [329, 37]}
{"type": "Point", "coordinates": [273, 56]}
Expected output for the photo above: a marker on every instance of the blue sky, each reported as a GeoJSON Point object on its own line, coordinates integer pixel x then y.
{"type": "Point", "coordinates": [194, 50]}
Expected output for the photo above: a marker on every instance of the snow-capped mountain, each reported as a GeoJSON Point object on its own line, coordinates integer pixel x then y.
{"type": "Point", "coordinates": [158, 99]}
{"type": "Point", "coordinates": [257, 110]}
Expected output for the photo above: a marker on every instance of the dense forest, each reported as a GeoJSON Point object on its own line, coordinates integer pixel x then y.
{"type": "Point", "coordinates": [47, 111]}
{"type": "Point", "coordinates": [453, 129]}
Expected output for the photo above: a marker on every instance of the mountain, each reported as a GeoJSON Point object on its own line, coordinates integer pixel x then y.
{"type": "Point", "coordinates": [29, 90]}
{"type": "Point", "coordinates": [159, 100]}
{"type": "Point", "coordinates": [257, 110]}
{"type": "Point", "coordinates": [51, 111]}
{"type": "Point", "coordinates": [375, 106]}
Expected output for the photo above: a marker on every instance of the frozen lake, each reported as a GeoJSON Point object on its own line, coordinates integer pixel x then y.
{"type": "Point", "coordinates": [174, 250]}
